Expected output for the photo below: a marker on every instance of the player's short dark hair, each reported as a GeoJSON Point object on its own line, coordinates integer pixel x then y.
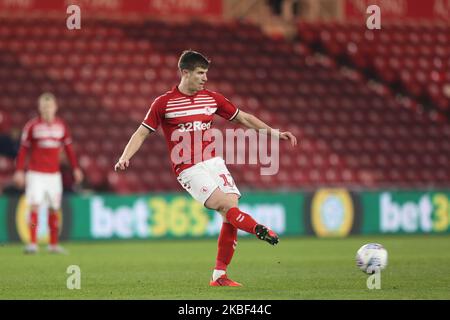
{"type": "Point", "coordinates": [47, 96]}
{"type": "Point", "coordinates": [191, 59]}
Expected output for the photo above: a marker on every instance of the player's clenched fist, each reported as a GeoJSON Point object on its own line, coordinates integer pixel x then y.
{"type": "Point", "coordinates": [121, 165]}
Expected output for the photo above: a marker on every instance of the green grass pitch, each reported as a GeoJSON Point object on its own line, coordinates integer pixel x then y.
{"type": "Point", "coordinates": [298, 268]}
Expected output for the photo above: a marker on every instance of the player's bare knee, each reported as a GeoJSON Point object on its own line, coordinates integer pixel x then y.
{"type": "Point", "coordinates": [222, 202]}
{"type": "Point", "coordinates": [228, 202]}
{"type": "Point", "coordinates": [212, 204]}
{"type": "Point", "coordinates": [222, 207]}
{"type": "Point", "coordinates": [232, 200]}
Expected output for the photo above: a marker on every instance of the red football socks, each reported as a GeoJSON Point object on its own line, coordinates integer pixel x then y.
{"type": "Point", "coordinates": [33, 226]}
{"type": "Point", "coordinates": [226, 245]}
{"type": "Point", "coordinates": [53, 223]}
{"type": "Point", "coordinates": [241, 220]}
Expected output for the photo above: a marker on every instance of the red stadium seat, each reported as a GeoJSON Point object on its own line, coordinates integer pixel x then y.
{"type": "Point", "coordinates": [350, 133]}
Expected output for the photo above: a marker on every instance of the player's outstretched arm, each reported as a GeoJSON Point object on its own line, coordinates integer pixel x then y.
{"type": "Point", "coordinates": [131, 148]}
{"type": "Point", "coordinates": [252, 122]}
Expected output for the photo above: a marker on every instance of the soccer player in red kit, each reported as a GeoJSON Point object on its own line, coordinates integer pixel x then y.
{"type": "Point", "coordinates": [42, 138]}
{"type": "Point", "coordinates": [189, 108]}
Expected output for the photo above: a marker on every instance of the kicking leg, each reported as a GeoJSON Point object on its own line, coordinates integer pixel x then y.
{"type": "Point", "coordinates": [227, 205]}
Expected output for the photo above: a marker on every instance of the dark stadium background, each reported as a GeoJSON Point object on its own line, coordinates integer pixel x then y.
{"type": "Point", "coordinates": [371, 110]}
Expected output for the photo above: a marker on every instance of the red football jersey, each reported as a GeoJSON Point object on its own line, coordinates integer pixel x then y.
{"type": "Point", "coordinates": [178, 114]}
{"type": "Point", "coordinates": [44, 141]}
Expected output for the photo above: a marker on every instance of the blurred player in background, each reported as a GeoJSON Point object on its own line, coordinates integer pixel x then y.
{"type": "Point", "coordinates": [189, 107]}
{"type": "Point", "coordinates": [42, 138]}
